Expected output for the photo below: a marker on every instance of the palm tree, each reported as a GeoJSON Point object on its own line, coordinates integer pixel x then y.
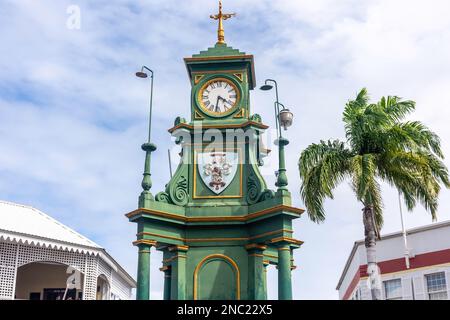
{"type": "Point", "coordinates": [378, 147]}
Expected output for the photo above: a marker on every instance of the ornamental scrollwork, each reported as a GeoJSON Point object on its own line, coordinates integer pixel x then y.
{"type": "Point", "coordinates": [162, 197]}
{"type": "Point", "coordinates": [253, 188]}
{"type": "Point", "coordinates": [179, 191]}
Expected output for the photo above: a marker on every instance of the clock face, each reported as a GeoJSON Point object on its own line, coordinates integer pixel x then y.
{"type": "Point", "coordinates": [218, 96]}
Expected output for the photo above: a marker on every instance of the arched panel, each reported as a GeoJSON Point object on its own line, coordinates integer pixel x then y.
{"type": "Point", "coordinates": [44, 280]}
{"type": "Point", "coordinates": [217, 277]}
{"type": "Point", "coordinates": [76, 268]}
{"type": "Point", "coordinates": [29, 254]}
{"type": "Point", "coordinates": [103, 288]}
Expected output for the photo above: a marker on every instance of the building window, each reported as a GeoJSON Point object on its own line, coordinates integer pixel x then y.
{"type": "Point", "coordinates": [436, 285]}
{"type": "Point", "coordinates": [393, 289]}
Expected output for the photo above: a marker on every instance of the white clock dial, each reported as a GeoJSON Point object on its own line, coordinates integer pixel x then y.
{"type": "Point", "coordinates": [218, 96]}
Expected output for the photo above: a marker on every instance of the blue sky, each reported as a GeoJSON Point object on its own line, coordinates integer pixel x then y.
{"type": "Point", "coordinates": [73, 116]}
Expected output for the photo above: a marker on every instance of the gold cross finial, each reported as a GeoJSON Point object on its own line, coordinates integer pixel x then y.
{"type": "Point", "coordinates": [221, 16]}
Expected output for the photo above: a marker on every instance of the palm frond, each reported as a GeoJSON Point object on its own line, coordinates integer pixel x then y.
{"type": "Point", "coordinates": [411, 136]}
{"type": "Point", "coordinates": [417, 175]}
{"type": "Point", "coordinates": [396, 109]}
{"type": "Point", "coordinates": [353, 118]}
{"type": "Point", "coordinates": [322, 167]}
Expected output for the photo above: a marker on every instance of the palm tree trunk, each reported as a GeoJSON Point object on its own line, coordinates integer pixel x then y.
{"type": "Point", "coordinates": [370, 232]}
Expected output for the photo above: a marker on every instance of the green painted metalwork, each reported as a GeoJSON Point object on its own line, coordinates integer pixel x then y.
{"type": "Point", "coordinates": [167, 283]}
{"type": "Point", "coordinates": [143, 276]}
{"type": "Point", "coordinates": [284, 272]}
{"type": "Point", "coordinates": [217, 246]}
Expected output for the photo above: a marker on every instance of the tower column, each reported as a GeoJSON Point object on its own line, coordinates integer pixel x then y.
{"type": "Point", "coordinates": [265, 264]}
{"type": "Point", "coordinates": [284, 271]}
{"type": "Point", "coordinates": [178, 273]}
{"type": "Point", "coordinates": [256, 276]}
{"type": "Point", "coordinates": [143, 273]}
{"type": "Point", "coordinates": [167, 281]}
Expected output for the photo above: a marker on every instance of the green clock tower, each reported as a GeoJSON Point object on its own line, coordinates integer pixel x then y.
{"type": "Point", "coordinates": [217, 223]}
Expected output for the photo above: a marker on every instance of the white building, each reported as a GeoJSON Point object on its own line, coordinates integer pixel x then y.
{"type": "Point", "coordinates": [42, 259]}
{"type": "Point", "coordinates": [428, 277]}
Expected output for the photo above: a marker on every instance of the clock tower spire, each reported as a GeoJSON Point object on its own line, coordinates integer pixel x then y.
{"type": "Point", "coordinates": [221, 17]}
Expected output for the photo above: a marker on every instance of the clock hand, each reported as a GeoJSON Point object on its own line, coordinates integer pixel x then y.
{"type": "Point", "coordinates": [224, 102]}
{"type": "Point", "coordinates": [217, 105]}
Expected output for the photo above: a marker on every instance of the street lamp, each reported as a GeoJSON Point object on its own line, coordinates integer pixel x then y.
{"type": "Point", "coordinates": [286, 118]}
{"type": "Point", "coordinates": [283, 119]}
{"type": "Point", "coordinates": [148, 147]}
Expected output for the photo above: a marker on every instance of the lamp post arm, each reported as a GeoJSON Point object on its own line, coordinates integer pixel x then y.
{"type": "Point", "coordinates": [151, 102]}
{"type": "Point", "coordinates": [277, 106]}
{"type": "Point", "coordinates": [276, 87]}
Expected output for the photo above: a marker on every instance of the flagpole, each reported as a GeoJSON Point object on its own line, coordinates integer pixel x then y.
{"type": "Point", "coordinates": [405, 240]}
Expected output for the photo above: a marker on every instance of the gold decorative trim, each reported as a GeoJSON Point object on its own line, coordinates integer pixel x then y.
{"type": "Point", "coordinates": [159, 235]}
{"type": "Point", "coordinates": [220, 71]}
{"type": "Point", "coordinates": [241, 173]}
{"type": "Point", "coordinates": [144, 241]}
{"type": "Point", "coordinates": [216, 239]}
{"type": "Point", "coordinates": [179, 248]}
{"type": "Point", "coordinates": [240, 114]}
{"type": "Point", "coordinates": [284, 249]}
{"type": "Point", "coordinates": [240, 57]}
{"type": "Point", "coordinates": [242, 218]}
{"type": "Point", "coordinates": [255, 246]}
{"type": "Point", "coordinates": [144, 251]}
{"type": "Point", "coordinates": [256, 255]}
{"type": "Point", "coordinates": [198, 116]}
{"type": "Point", "coordinates": [197, 78]}
{"type": "Point", "coordinates": [270, 256]}
{"type": "Point", "coordinates": [270, 233]}
{"type": "Point", "coordinates": [218, 256]}
{"type": "Point", "coordinates": [219, 126]}
{"type": "Point", "coordinates": [240, 76]}
{"type": "Point", "coordinates": [212, 239]}
{"type": "Point", "coordinates": [164, 268]}
{"type": "Point", "coordinates": [289, 240]}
